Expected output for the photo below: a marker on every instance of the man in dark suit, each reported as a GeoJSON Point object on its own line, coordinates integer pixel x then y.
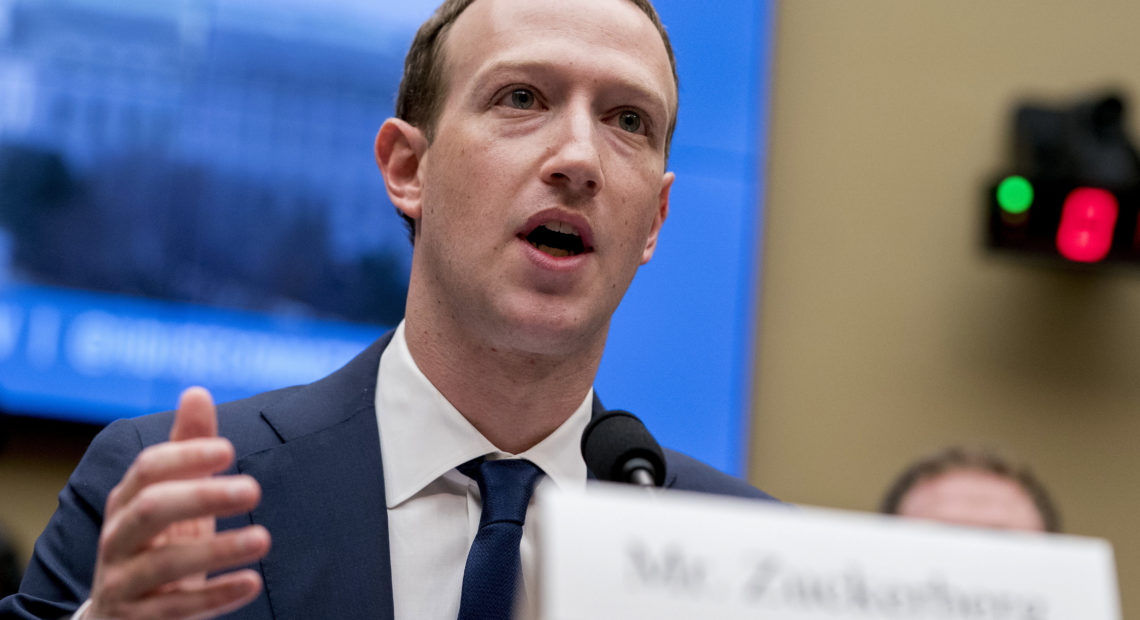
{"type": "Point", "coordinates": [529, 158]}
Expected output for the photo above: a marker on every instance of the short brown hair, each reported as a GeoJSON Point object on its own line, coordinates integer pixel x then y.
{"type": "Point", "coordinates": [981, 459]}
{"type": "Point", "coordinates": [422, 89]}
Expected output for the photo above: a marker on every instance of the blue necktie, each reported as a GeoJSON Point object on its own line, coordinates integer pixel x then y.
{"type": "Point", "coordinates": [492, 571]}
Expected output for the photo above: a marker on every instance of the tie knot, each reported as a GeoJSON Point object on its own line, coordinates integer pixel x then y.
{"type": "Point", "coordinates": [505, 485]}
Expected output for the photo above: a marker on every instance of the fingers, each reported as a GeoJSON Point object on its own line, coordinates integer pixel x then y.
{"type": "Point", "coordinates": [160, 505]}
{"type": "Point", "coordinates": [194, 450]}
{"type": "Point", "coordinates": [194, 458]}
{"type": "Point", "coordinates": [170, 563]}
{"type": "Point", "coordinates": [158, 541]}
{"type": "Point", "coordinates": [196, 416]}
{"type": "Point", "coordinates": [217, 596]}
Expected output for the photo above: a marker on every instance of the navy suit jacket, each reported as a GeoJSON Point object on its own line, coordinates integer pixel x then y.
{"type": "Point", "coordinates": [315, 451]}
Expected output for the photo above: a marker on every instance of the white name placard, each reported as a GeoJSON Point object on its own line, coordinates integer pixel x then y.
{"type": "Point", "coordinates": [617, 552]}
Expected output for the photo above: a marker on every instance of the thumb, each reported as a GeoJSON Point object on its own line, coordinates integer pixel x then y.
{"type": "Point", "coordinates": [196, 416]}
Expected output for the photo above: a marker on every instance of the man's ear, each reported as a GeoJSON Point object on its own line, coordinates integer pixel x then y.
{"type": "Point", "coordinates": [400, 149]}
{"type": "Point", "coordinates": [658, 217]}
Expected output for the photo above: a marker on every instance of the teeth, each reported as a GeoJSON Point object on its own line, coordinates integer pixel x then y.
{"type": "Point", "coordinates": [565, 228]}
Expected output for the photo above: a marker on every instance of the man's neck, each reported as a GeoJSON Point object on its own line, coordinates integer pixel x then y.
{"type": "Point", "coordinates": [515, 399]}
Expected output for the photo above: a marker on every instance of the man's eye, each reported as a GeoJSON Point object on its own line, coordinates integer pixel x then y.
{"type": "Point", "coordinates": [630, 121]}
{"type": "Point", "coordinates": [522, 99]}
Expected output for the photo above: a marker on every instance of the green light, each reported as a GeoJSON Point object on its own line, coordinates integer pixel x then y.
{"type": "Point", "coordinates": [1015, 194]}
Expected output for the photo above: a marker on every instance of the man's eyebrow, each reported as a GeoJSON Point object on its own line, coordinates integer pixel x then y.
{"type": "Point", "coordinates": [626, 81]}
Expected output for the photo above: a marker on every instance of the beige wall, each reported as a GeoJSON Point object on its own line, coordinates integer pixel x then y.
{"type": "Point", "coordinates": [885, 330]}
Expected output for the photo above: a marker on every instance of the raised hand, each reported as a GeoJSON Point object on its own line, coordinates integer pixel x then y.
{"type": "Point", "coordinates": [159, 539]}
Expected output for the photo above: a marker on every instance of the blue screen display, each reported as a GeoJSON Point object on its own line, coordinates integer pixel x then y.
{"type": "Point", "coordinates": [188, 196]}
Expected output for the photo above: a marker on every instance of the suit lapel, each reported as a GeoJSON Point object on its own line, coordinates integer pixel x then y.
{"type": "Point", "coordinates": [323, 499]}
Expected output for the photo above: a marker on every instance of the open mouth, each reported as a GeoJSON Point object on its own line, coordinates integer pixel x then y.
{"type": "Point", "coordinates": [557, 239]}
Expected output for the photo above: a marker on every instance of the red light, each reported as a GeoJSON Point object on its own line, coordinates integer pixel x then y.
{"type": "Point", "coordinates": [1087, 221]}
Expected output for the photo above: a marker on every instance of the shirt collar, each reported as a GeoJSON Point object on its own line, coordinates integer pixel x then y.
{"type": "Point", "coordinates": [422, 436]}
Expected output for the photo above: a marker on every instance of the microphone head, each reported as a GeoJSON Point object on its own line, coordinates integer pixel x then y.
{"type": "Point", "coordinates": [616, 443]}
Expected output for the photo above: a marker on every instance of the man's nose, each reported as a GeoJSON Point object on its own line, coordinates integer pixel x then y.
{"type": "Point", "coordinates": [574, 159]}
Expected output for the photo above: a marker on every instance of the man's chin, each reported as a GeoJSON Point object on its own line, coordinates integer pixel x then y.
{"type": "Point", "coordinates": [549, 332]}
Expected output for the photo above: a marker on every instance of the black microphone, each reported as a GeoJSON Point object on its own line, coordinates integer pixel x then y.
{"type": "Point", "coordinates": [618, 448]}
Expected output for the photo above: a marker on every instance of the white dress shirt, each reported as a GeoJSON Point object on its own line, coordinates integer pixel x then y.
{"type": "Point", "coordinates": [433, 510]}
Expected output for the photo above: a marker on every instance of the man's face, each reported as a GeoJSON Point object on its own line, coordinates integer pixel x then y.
{"type": "Point", "coordinates": [545, 186]}
{"type": "Point", "coordinates": [972, 497]}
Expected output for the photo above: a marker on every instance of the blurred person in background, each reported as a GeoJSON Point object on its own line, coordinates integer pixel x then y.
{"type": "Point", "coordinates": [974, 487]}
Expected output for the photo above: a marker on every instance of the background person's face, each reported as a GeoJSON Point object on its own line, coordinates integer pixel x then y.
{"type": "Point", "coordinates": [972, 497]}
